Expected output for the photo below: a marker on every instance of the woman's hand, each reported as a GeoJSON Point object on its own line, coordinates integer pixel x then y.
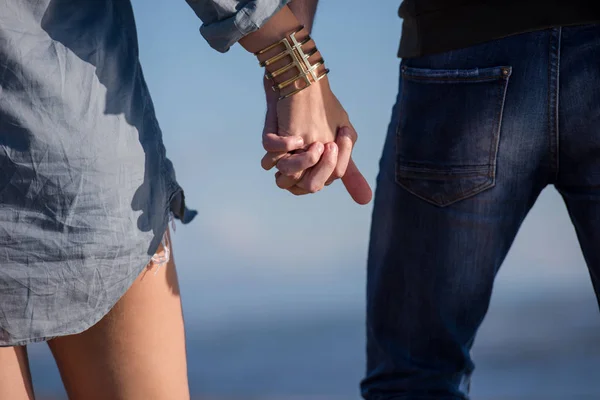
{"type": "Point", "coordinates": [323, 155]}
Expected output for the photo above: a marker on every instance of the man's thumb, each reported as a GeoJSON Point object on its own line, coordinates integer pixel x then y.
{"type": "Point", "coordinates": [356, 184]}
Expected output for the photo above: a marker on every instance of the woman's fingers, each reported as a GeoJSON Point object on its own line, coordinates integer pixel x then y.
{"type": "Point", "coordinates": [274, 143]}
{"type": "Point", "coordinates": [278, 147]}
{"type": "Point", "coordinates": [286, 182]}
{"type": "Point", "coordinates": [271, 159]}
{"type": "Point", "coordinates": [300, 161]}
{"type": "Point", "coordinates": [295, 190]}
{"type": "Point", "coordinates": [314, 180]}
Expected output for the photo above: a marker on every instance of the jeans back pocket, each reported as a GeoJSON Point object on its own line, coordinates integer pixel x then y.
{"type": "Point", "coordinates": [448, 131]}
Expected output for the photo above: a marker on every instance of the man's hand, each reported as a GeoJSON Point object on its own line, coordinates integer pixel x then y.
{"type": "Point", "coordinates": [323, 154]}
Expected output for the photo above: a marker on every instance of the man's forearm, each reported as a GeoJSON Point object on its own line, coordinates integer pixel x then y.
{"type": "Point", "coordinates": [305, 11]}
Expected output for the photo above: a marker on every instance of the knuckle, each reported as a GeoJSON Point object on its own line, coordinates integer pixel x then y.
{"type": "Point", "coordinates": [289, 146]}
{"type": "Point", "coordinates": [282, 167]}
{"type": "Point", "coordinates": [314, 187]}
{"type": "Point", "coordinates": [285, 172]}
{"type": "Point", "coordinates": [293, 143]}
{"type": "Point", "coordinates": [279, 183]}
{"type": "Point", "coordinates": [351, 134]}
{"type": "Point", "coordinates": [267, 144]}
{"type": "Point", "coordinates": [288, 170]}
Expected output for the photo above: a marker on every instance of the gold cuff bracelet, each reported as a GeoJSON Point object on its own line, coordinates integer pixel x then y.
{"type": "Point", "coordinates": [300, 61]}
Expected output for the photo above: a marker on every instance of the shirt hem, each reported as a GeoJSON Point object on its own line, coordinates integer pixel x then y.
{"type": "Point", "coordinates": [175, 205]}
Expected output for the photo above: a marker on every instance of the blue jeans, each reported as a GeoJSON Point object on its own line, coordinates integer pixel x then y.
{"type": "Point", "coordinates": [476, 134]}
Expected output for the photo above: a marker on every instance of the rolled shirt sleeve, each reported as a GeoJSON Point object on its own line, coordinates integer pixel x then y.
{"type": "Point", "coordinates": [227, 21]}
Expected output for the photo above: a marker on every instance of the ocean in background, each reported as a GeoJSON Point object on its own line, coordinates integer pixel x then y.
{"type": "Point", "coordinates": [537, 348]}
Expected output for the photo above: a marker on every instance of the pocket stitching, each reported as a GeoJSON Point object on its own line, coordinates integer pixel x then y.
{"type": "Point", "coordinates": [496, 145]}
{"type": "Point", "coordinates": [503, 79]}
{"type": "Point", "coordinates": [454, 75]}
{"type": "Point", "coordinates": [440, 79]}
{"type": "Point", "coordinates": [462, 196]}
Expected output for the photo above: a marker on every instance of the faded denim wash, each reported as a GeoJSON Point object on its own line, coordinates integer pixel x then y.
{"type": "Point", "coordinates": [475, 136]}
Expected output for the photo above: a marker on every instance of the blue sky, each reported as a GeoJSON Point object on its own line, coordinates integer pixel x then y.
{"type": "Point", "coordinates": [255, 250]}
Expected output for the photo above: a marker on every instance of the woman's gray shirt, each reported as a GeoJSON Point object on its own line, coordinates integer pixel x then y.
{"type": "Point", "coordinates": [86, 189]}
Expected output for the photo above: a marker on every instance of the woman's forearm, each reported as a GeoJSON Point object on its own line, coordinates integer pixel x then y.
{"type": "Point", "coordinates": [276, 28]}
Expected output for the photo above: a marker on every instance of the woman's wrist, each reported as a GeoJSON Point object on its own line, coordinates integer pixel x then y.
{"type": "Point", "coordinates": [290, 57]}
{"type": "Point", "coordinates": [293, 65]}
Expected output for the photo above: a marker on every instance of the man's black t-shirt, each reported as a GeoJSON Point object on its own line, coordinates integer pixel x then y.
{"type": "Point", "coordinates": [432, 26]}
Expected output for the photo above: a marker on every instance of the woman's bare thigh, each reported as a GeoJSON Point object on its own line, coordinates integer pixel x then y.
{"type": "Point", "coordinates": [137, 351]}
{"type": "Point", "coordinates": [15, 376]}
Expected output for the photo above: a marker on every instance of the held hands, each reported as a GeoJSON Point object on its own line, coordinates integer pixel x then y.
{"type": "Point", "coordinates": [309, 139]}
{"type": "Point", "coordinates": [307, 134]}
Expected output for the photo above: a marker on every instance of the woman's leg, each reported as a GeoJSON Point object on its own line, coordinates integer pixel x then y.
{"type": "Point", "coordinates": [15, 377]}
{"type": "Point", "coordinates": [137, 351]}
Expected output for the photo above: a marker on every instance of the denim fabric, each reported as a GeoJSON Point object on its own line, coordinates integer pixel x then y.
{"type": "Point", "coordinates": [475, 136]}
{"type": "Point", "coordinates": [227, 21]}
{"type": "Point", "coordinates": [86, 189]}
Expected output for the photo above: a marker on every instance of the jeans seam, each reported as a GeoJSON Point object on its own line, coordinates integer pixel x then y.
{"type": "Point", "coordinates": [496, 141]}
{"type": "Point", "coordinates": [553, 93]}
{"type": "Point", "coordinates": [556, 110]}
{"type": "Point", "coordinates": [436, 170]}
{"type": "Point", "coordinates": [440, 79]}
{"type": "Point", "coordinates": [464, 195]}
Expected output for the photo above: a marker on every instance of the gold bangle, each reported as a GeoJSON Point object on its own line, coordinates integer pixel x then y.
{"type": "Point", "coordinates": [323, 74]}
{"type": "Point", "coordinates": [274, 74]}
{"type": "Point", "coordinates": [301, 75]}
{"type": "Point", "coordinates": [300, 60]}
{"type": "Point", "coordinates": [263, 51]}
